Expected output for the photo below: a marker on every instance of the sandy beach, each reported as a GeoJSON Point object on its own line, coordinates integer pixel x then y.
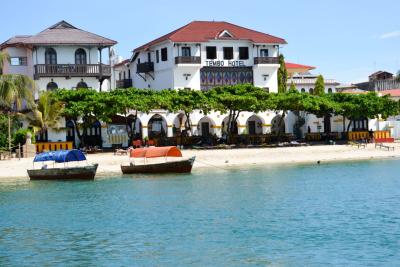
{"type": "Point", "coordinates": [109, 164]}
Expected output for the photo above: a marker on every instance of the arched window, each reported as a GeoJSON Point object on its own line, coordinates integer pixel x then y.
{"type": "Point", "coordinates": [51, 56]}
{"type": "Point", "coordinates": [80, 56]}
{"type": "Point", "coordinates": [81, 84]}
{"type": "Point", "coordinates": [303, 90]}
{"type": "Point", "coordinates": [311, 91]}
{"type": "Point", "coordinates": [330, 91]}
{"type": "Point", "coordinates": [51, 86]}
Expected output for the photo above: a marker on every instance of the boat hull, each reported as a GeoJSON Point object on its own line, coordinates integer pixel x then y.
{"type": "Point", "coordinates": [73, 173]}
{"type": "Point", "coordinates": [182, 166]}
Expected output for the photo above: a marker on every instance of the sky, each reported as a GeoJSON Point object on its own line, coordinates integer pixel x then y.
{"type": "Point", "coordinates": [345, 39]}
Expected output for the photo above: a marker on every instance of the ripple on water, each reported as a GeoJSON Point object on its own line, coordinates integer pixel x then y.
{"type": "Point", "coordinates": [308, 215]}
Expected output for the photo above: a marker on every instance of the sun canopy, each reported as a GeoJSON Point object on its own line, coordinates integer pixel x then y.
{"type": "Point", "coordinates": [60, 156]}
{"type": "Point", "coordinates": [155, 152]}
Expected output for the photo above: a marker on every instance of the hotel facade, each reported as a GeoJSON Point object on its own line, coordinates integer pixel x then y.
{"type": "Point", "coordinates": [200, 56]}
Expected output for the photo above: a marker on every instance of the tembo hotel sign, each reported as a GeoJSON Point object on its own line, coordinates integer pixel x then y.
{"type": "Point", "coordinates": [225, 63]}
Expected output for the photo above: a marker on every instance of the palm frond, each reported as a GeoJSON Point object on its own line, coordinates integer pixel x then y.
{"type": "Point", "coordinates": [3, 58]}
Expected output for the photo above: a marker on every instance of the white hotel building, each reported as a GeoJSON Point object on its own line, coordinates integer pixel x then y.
{"type": "Point", "coordinates": [199, 56]}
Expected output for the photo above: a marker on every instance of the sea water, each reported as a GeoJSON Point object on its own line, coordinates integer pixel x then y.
{"type": "Point", "coordinates": [342, 214]}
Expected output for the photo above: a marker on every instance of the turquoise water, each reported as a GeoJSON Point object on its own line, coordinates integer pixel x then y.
{"type": "Point", "coordinates": [327, 215]}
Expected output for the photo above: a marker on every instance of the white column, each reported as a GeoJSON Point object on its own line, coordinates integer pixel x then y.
{"type": "Point", "coordinates": [218, 130]}
{"type": "Point", "coordinates": [241, 129]}
{"type": "Point", "coordinates": [145, 131]}
{"type": "Point", "coordinates": [195, 130]}
{"type": "Point", "coordinates": [169, 130]}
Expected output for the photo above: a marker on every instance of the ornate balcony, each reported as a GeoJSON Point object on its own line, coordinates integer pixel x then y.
{"type": "Point", "coordinates": [124, 83]}
{"type": "Point", "coordinates": [187, 60]}
{"type": "Point", "coordinates": [72, 70]}
{"type": "Point", "coordinates": [266, 60]}
{"type": "Point", "coordinates": [145, 67]}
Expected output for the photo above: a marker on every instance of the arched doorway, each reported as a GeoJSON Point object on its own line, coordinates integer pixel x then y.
{"type": "Point", "coordinates": [179, 125]}
{"type": "Point", "coordinates": [80, 56]}
{"type": "Point", "coordinates": [234, 126]}
{"type": "Point", "coordinates": [136, 126]}
{"type": "Point", "coordinates": [50, 56]}
{"type": "Point", "coordinates": [327, 123]}
{"type": "Point", "coordinates": [278, 125]}
{"type": "Point", "coordinates": [81, 85]}
{"type": "Point", "coordinates": [51, 86]}
{"type": "Point", "coordinates": [42, 135]}
{"type": "Point", "coordinates": [69, 125]}
{"type": "Point", "coordinates": [206, 126]}
{"type": "Point", "coordinates": [254, 125]}
{"type": "Point", "coordinates": [157, 126]}
{"type": "Point", "coordinates": [92, 135]}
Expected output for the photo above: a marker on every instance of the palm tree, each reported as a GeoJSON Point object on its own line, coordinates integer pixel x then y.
{"type": "Point", "coordinates": [3, 58]}
{"type": "Point", "coordinates": [47, 112]}
{"type": "Point", "coordinates": [16, 93]}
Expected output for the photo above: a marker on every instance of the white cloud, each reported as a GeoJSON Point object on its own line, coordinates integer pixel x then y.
{"type": "Point", "coordinates": [388, 35]}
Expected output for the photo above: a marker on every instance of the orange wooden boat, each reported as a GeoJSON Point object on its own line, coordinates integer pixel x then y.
{"type": "Point", "coordinates": [148, 154]}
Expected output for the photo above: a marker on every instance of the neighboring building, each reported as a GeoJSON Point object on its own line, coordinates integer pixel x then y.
{"type": "Point", "coordinates": [393, 94]}
{"type": "Point", "coordinates": [380, 75]}
{"type": "Point", "coordinates": [296, 69]}
{"type": "Point", "coordinates": [304, 82]}
{"type": "Point", "coordinates": [121, 76]}
{"type": "Point", "coordinates": [61, 56]}
{"type": "Point", "coordinates": [380, 81]}
{"type": "Point", "coordinates": [204, 54]}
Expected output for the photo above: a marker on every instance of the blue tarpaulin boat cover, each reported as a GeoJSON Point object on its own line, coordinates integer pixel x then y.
{"type": "Point", "coordinates": [60, 156]}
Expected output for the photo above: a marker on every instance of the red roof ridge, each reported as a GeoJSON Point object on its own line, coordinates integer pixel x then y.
{"type": "Point", "coordinates": [121, 63]}
{"type": "Point", "coordinates": [284, 41]}
{"type": "Point", "coordinates": [290, 65]}
{"type": "Point", "coordinates": [161, 38]}
{"type": "Point", "coordinates": [172, 34]}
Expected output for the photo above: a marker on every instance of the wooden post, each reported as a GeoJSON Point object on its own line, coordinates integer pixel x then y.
{"type": "Point", "coordinates": [109, 61]}
{"type": "Point", "coordinates": [9, 132]}
{"type": "Point", "coordinates": [100, 69]}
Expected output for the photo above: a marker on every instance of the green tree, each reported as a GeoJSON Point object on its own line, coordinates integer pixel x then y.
{"type": "Point", "coordinates": [14, 123]}
{"type": "Point", "coordinates": [355, 107]}
{"type": "Point", "coordinates": [16, 92]}
{"type": "Point", "coordinates": [319, 87]}
{"type": "Point", "coordinates": [128, 103]}
{"type": "Point", "coordinates": [282, 75]}
{"type": "Point", "coordinates": [237, 99]}
{"type": "Point", "coordinates": [186, 101]}
{"type": "Point", "coordinates": [292, 87]}
{"type": "Point", "coordinates": [83, 107]}
{"type": "Point", "coordinates": [47, 112]}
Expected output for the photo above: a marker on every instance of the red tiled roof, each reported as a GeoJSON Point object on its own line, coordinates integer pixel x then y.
{"type": "Point", "coordinates": [391, 92]}
{"type": "Point", "coordinates": [123, 62]}
{"type": "Point", "coordinates": [203, 31]}
{"type": "Point", "coordinates": [297, 66]}
{"type": "Point", "coordinates": [60, 33]}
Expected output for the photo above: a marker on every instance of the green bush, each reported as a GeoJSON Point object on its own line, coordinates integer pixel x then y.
{"type": "Point", "coordinates": [19, 137]}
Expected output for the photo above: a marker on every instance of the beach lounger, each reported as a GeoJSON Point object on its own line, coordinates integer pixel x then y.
{"type": "Point", "coordinates": [382, 146]}
{"type": "Point", "coordinates": [358, 145]}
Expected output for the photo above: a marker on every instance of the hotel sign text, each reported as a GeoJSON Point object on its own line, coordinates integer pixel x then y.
{"type": "Point", "coordinates": [225, 63]}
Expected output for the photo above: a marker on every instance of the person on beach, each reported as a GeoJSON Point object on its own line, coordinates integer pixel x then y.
{"type": "Point", "coordinates": [371, 136]}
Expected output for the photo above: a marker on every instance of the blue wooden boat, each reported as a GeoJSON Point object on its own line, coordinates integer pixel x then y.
{"type": "Point", "coordinates": [46, 172]}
